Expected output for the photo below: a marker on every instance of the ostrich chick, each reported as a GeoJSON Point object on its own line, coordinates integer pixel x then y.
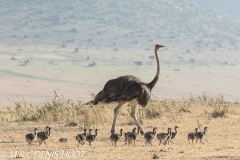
{"type": "Point", "coordinates": [115, 137]}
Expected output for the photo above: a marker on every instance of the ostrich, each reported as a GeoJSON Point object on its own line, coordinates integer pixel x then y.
{"type": "Point", "coordinates": [128, 89]}
{"type": "Point", "coordinates": [191, 135]}
{"type": "Point", "coordinates": [115, 137]}
{"type": "Point", "coordinates": [173, 134]}
{"type": "Point", "coordinates": [81, 137]}
{"type": "Point", "coordinates": [164, 137]}
{"type": "Point", "coordinates": [90, 138]}
{"type": "Point", "coordinates": [42, 136]}
{"type": "Point", "coordinates": [127, 133]}
{"type": "Point", "coordinates": [149, 136]}
{"type": "Point", "coordinates": [30, 136]}
{"type": "Point", "coordinates": [200, 135]}
{"type": "Point", "coordinates": [132, 136]}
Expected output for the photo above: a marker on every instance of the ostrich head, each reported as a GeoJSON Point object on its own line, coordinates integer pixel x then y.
{"type": "Point", "coordinates": [158, 46]}
{"type": "Point", "coordinates": [154, 129]}
{"type": "Point", "coordinates": [90, 131]}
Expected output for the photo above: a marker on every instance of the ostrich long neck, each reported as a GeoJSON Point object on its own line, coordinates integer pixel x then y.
{"type": "Point", "coordinates": [154, 131]}
{"type": "Point", "coordinates": [121, 133]}
{"type": "Point", "coordinates": [154, 81]}
{"type": "Point", "coordinates": [134, 130]}
{"type": "Point", "coordinates": [204, 131]}
{"type": "Point", "coordinates": [169, 132]}
{"type": "Point", "coordinates": [49, 132]}
{"type": "Point", "coordinates": [95, 133]}
{"type": "Point", "coordinates": [138, 131]}
{"type": "Point", "coordinates": [35, 132]}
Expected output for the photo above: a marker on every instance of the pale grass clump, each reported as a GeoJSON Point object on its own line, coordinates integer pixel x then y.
{"type": "Point", "coordinates": [61, 111]}
{"type": "Point", "coordinates": [151, 112]}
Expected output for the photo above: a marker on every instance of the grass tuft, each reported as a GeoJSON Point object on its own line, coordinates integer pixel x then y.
{"type": "Point", "coordinates": [220, 112]}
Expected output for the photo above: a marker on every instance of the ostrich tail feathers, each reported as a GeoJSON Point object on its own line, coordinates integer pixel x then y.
{"type": "Point", "coordinates": [100, 97]}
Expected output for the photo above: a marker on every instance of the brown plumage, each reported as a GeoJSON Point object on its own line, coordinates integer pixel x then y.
{"type": "Point", "coordinates": [191, 135]}
{"type": "Point", "coordinates": [126, 134]}
{"type": "Point", "coordinates": [42, 136]}
{"type": "Point", "coordinates": [200, 135]}
{"type": "Point", "coordinates": [164, 137]}
{"type": "Point", "coordinates": [149, 136]}
{"type": "Point", "coordinates": [128, 89]}
{"type": "Point", "coordinates": [115, 137]}
{"type": "Point", "coordinates": [132, 136]}
{"type": "Point", "coordinates": [30, 136]}
{"type": "Point", "coordinates": [173, 134]}
{"type": "Point", "coordinates": [90, 138]}
{"type": "Point", "coordinates": [81, 137]}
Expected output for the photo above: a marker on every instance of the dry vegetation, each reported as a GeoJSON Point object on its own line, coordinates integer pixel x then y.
{"type": "Point", "coordinates": [67, 119]}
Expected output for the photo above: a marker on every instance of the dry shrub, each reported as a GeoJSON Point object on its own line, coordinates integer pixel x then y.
{"type": "Point", "coordinates": [220, 112]}
{"type": "Point", "coordinates": [59, 111]}
{"type": "Point", "coordinates": [152, 111]}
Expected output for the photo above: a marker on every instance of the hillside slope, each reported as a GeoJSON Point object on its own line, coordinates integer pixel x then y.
{"type": "Point", "coordinates": [227, 8]}
{"type": "Point", "coordinates": [115, 24]}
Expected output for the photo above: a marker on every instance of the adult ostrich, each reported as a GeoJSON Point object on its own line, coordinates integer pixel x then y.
{"type": "Point", "coordinates": [128, 89]}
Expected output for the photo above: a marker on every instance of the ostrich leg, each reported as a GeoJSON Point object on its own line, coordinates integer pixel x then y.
{"type": "Point", "coordinates": [133, 114]}
{"type": "Point", "coordinates": [116, 111]}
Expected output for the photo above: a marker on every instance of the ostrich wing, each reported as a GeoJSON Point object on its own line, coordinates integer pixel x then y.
{"type": "Point", "coordinates": [30, 135]}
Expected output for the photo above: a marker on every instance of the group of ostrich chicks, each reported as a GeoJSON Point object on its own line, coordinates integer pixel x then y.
{"type": "Point", "coordinates": [130, 137]}
{"type": "Point", "coordinates": [163, 138]}
{"type": "Point", "coordinates": [41, 136]}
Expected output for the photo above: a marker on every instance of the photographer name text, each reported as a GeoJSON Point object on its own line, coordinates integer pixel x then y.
{"type": "Point", "coordinates": [42, 154]}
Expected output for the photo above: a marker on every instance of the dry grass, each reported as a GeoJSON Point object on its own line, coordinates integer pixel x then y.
{"type": "Point", "coordinates": [221, 142]}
